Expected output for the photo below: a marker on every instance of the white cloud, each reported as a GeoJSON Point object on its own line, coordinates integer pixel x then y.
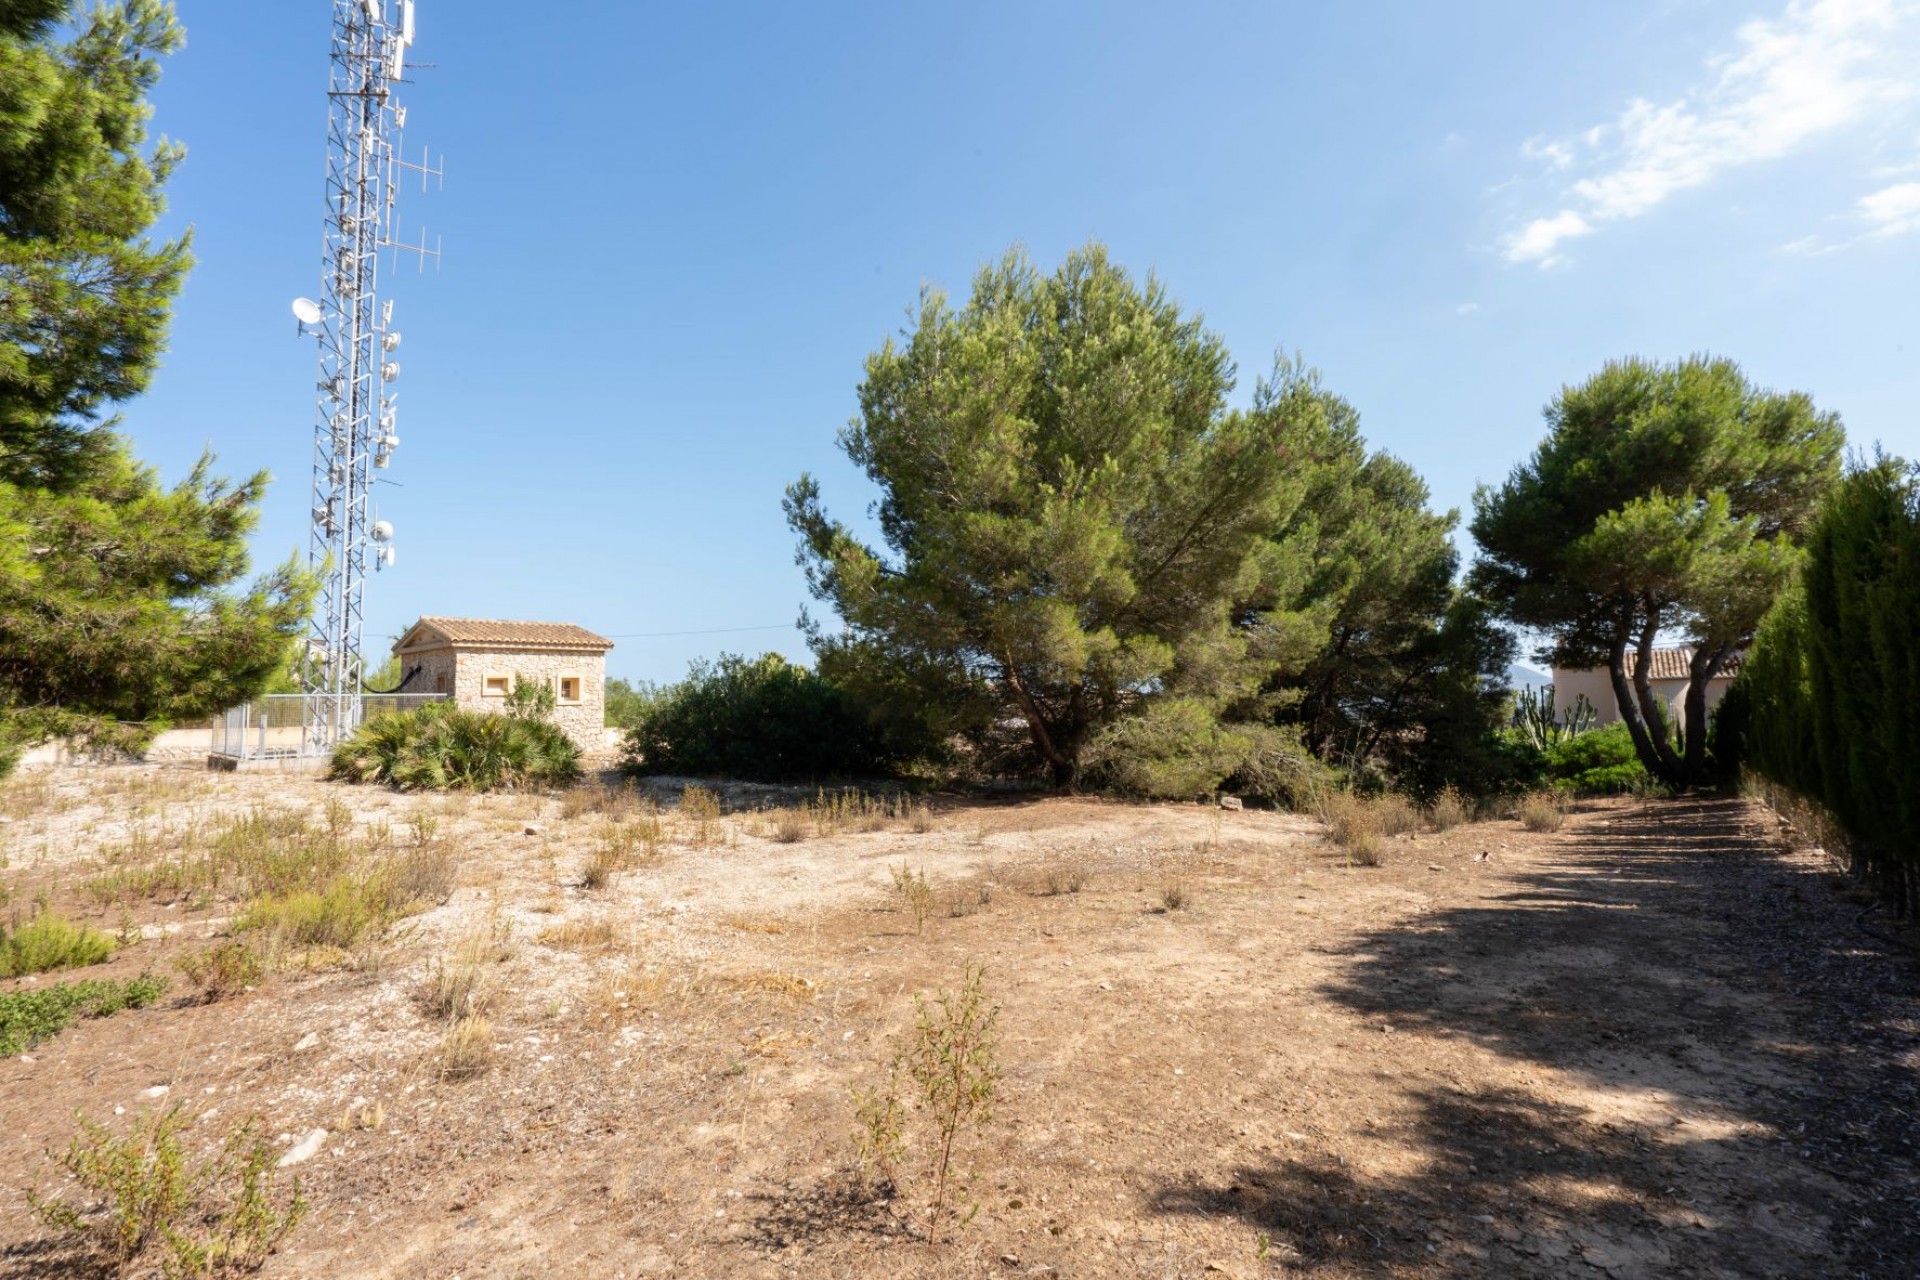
{"type": "Point", "coordinates": [1893, 210]}
{"type": "Point", "coordinates": [1539, 239]}
{"type": "Point", "coordinates": [1819, 67]}
{"type": "Point", "coordinates": [1466, 308]}
{"type": "Point", "coordinates": [1811, 247]}
{"type": "Point", "coordinates": [1558, 155]}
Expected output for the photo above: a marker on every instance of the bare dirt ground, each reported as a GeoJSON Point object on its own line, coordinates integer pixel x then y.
{"type": "Point", "coordinates": [1660, 1042]}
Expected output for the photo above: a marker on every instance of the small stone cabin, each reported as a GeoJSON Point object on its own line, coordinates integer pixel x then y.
{"type": "Point", "coordinates": [477, 660]}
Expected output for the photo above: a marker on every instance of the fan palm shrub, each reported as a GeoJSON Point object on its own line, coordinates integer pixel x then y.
{"type": "Point", "coordinates": [443, 747]}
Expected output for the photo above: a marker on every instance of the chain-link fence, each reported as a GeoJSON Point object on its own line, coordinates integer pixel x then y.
{"type": "Point", "coordinates": [276, 725]}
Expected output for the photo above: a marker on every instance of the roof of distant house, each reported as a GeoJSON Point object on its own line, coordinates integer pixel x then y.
{"type": "Point", "coordinates": [1671, 664]}
{"type": "Point", "coordinates": [433, 632]}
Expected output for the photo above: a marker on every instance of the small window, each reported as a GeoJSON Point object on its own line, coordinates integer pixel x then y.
{"type": "Point", "coordinates": [569, 688]}
{"type": "Point", "coordinates": [496, 685]}
{"type": "Point", "coordinates": [440, 683]}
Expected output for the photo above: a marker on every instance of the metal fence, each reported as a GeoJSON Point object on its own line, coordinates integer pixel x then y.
{"type": "Point", "coordinates": [280, 725]}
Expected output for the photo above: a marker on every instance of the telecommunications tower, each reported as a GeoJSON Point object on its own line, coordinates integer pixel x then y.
{"type": "Point", "coordinates": [353, 435]}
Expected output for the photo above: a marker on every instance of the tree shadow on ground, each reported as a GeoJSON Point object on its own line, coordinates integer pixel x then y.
{"type": "Point", "coordinates": [843, 1205]}
{"type": "Point", "coordinates": [1670, 954]}
{"type": "Point", "coordinates": [54, 1259]}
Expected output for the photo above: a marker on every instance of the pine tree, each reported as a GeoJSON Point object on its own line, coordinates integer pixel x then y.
{"type": "Point", "coordinates": [1664, 499]}
{"type": "Point", "coordinates": [116, 613]}
{"type": "Point", "coordinates": [1076, 524]}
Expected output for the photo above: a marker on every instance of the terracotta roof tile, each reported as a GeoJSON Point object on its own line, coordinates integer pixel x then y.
{"type": "Point", "coordinates": [532, 635]}
{"type": "Point", "coordinates": [1671, 664]}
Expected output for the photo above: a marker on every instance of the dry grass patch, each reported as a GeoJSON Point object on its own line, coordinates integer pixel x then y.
{"type": "Point", "coordinates": [789, 986]}
{"type": "Point", "coordinates": [587, 933]}
{"type": "Point", "coordinates": [466, 1050]}
{"type": "Point", "coordinates": [757, 924]}
{"type": "Point", "coordinates": [1543, 811]}
{"type": "Point", "coordinates": [1449, 810]}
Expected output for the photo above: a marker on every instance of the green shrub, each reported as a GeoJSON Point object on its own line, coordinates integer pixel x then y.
{"type": "Point", "coordinates": [1598, 762]}
{"type": "Point", "coordinates": [1178, 749]}
{"type": "Point", "coordinates": [215, 1217]}
{"type": "Point", "coordinates": [764, 719]}
{"type": "Point", "coordinates": [339, 913]}
{"type": "Point", "coordinates": [47, 942]}
{"type": "Point", "coordinates": [442, 747]}
{"type": "Point", "coordinates": [29, 1017]}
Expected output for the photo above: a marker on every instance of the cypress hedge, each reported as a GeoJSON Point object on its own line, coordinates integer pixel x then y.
{"type": "Point", "coordinates": [1828, 704]}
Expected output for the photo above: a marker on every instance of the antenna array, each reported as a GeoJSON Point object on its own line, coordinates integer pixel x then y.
{"type": "Point", "coordinates": [354, 433]}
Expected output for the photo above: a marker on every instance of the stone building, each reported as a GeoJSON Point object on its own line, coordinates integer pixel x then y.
{"type": "Point", "coordinates": [477, 660]}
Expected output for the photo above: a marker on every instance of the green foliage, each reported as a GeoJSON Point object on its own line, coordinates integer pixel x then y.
{"type": "Point", "coordinates": [627, 701]}
{"type": "Point", "coordinates": [338, 913]}
{"type": "Point", "coordinates": [216, 1217]}
{"type": "Point", "coordinates": [443, 747]}
{"type": "Point", "coordinates": [951, 1059]}
{"type": "Point", "coordinates": [1596, 763]}
{"type": "Point", "coordinates": [1664, 499]}
{"type": "Point", "coordinates": [1075, 523]}
{"type": "Point", "coordinates": [763, 718]}
{"type": "Point", "coordinates": [223, 970]}
{"type": "Point", "coordinates": [1410, 679]}
{"type": "Point", "coordinates": [1178, 749]}
{"type": "Point", "coordinates": [116, 613]}
{"type": "Point", "coordinates": [29, 1017]}
{"type": "Point", "coordinates": [531, 699]}
{"type": "Point", "coordinates": [46, 942]}
{"type": "Point", "coordinates": [1828, 702]}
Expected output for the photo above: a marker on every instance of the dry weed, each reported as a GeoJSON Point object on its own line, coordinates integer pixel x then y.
{"type": "Point", "coordinates": [1449, 810]}
{"type": "Point", "coordinates": [466, 1051]}
{"type": "Point", "coordinates": [589, 933]}
{"type": "Point", "coordinates": [1542, 811]}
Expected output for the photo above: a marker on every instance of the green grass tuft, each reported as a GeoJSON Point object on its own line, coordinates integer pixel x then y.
{"type": "Point", "coordinates": [47, 942]}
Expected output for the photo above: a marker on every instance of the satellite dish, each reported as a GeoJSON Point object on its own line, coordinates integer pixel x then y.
{"type": "Point", "coordinates": [382, 531]}
{"type": "Point", "coordinates": [306, 311]}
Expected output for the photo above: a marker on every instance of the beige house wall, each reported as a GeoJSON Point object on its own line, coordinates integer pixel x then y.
{"type": "Point", "coordinates": [1597, 684]}
{"type": "Point", "coordinates": [463, 672]}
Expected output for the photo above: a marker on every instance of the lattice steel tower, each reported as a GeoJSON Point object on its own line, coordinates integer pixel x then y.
{"type": "Point", "coordinates": [354, 432]}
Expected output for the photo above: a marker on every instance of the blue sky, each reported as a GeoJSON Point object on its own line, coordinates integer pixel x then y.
{"type": "Point", "coordinates": [673, 233]}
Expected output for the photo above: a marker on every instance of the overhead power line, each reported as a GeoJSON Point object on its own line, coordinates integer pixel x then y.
{"type": "Point", "coordinates": [715, 631]}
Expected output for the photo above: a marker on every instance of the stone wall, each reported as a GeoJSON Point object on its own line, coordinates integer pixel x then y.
{"type": "Point", "coordinates": [584, 721]}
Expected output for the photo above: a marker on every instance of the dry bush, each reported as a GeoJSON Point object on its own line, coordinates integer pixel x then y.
{"type": "Point", "coordinates": [700, 807]}
{"type": "Point", "coordinates": [790, 826]}
{"type": "Point", "coordinates": [602, 869]}
{"type": "Point", "coordinates": [1542, 811]}
{"type": "Point", "coordinates": [466, 1051]}
{"type": "Point", "coordinates": [458, 985]}
{"type": "Point", "coordinates": [916, 895]}
{"type": "Point", "coordinates": [1364, 848]}
{"type": "Point", "coordinates": [617, 803]}
{"type": "Point", "coordinates": [427, 875]}
{"type": "Point", "coordinates": [919, 818]}
{"type": "Point", "coordinates": [1064, 874]}
{"type": "Point", "coordinates": [1174, 895]}
{"type": "Point", "coordinates": [1449, 810]}
{"type": "Point", "coordinates": [964, 900]}
{"type": "Point", "coordinates": [224, 970]}
{"type": "Point", "coordinates": [1394, 814]}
